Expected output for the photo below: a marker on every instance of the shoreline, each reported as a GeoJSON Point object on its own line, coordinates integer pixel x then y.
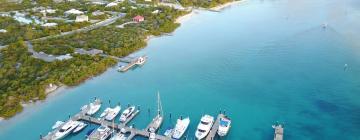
{"type": "Point", "coordinates": [181, 19]}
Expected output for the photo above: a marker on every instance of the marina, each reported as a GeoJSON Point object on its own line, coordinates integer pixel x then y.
{"type": "Point", "coordinates": [107, 127]}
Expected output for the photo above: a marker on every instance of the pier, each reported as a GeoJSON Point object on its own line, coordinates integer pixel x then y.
{"type": "Point", "coordinates": [214, 128]}
{"type": "Point", "coordinates": [132, 62]}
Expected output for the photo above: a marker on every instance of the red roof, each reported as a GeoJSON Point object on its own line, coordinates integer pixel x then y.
{"type": "Point", "coordinates": [139, 17]}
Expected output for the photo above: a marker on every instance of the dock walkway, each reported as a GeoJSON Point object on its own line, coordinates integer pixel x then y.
{"type": "Point", "coordinates": [214, 128]}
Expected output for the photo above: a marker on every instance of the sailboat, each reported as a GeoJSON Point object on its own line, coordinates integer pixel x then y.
{"type": "Point", "coordinates": [157, 121]}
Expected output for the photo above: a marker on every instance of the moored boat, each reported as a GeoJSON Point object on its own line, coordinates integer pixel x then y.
{"type": "Point", "coordinates": [204, 126]}
{"type": "Point", "coordinates": [180, 127]}
{"type": "Point", "coordinates": [80, 127]}
{"type": "Point", "coordinates": [66, 129]}
{"type": "Point", "coordinates": [279, 132]}
{"type": "Point", "coordinates": [106, 111]}
{"type": "Point", "coordinates": [102, 133]}
{"type": "Point", "coordinates": [113, 112]}
{"type": "Point", "coordinates": [141, 60]}
{"type": "Point", "coordinates": [127, 113]}
{"type": "Point", "coordinates": [224, 126]}
{"type": "Point", "coordinates": [57, 124]}
{"type": "Point", "coordinates": [119, 136]}
{"type": "Point", "coordinates": [93, 107]}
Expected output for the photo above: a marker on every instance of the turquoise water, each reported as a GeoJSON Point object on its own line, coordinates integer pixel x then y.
{"type": "Point", "coordinates": [261, 61]}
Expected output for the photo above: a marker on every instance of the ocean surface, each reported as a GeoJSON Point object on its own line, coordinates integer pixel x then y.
{"type": "Point", "coordinates": [261, 61]}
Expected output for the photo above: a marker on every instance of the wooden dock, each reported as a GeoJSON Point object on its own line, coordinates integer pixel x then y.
{"type": "Point", "coordinates": [214, 128]}
{"type": "Point", "coordinates": [130, 63]}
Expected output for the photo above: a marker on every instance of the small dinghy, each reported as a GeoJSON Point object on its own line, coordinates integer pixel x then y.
{"type": "Point", "coordinates": [80, 127]}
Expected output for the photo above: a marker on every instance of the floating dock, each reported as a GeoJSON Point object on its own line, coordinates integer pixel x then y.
{"type": "Point", "coordinates": [214, 128]}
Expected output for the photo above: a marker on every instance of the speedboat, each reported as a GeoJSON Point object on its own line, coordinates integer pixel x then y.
{"type": "Point", "coordinates": [127, 113]}
{"type": "Point", "coordinates": [224, 126]}
{"type": "Point", "coordinates": [93, 107]}
{"type": "Point", "coordinates": [66, 129]}
{"type": "Point", "coordinates": [204, 126]}
{"type": "Point", "coordinates": [113, 112]}
{"type": "Point", "coordinates": [141, 60]}
{"type": "Point", "coordinates": [102, 133]}
{"type": "Point", "coordinates": [80, 127]}
{"type": "Point", "coordinates": [119, 136]}
{"type": "Point", "coordinates": [180, 127]}
{"type": "Point", "coordinates": [57, 124]}
{"type": "Point", "coordinates": [106, 111]}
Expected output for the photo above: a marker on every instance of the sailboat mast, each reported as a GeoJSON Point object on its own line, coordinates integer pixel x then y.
{"type": "Point", "coordinates": [159, 105]}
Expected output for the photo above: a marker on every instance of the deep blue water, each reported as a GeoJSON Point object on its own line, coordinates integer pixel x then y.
{"type": "Point", "coordinates": [262, 61]}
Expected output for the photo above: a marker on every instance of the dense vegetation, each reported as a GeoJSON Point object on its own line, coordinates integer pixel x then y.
{"type": "Point", "coordinates": [25, 78]}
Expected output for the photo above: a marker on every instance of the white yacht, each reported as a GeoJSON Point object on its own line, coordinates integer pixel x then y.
{"type": "Point", "coordinates": [80, 127]}
{"type": "Point", "coordinates": [204, 126]}
{"type": "Point", "coordinates": [224, 126]}
{"type": "Point", "coordinates": [113, 112]}
{"type": "Point", "coordinates": [66, 129]}
{"type": "Point", "coordinates": [93, 107]}
{"type": "Point", "coordinates": [141, 60]}
{"type": "Point", "coordinates": [279, 132]}
{"type": "Point", "coordinates": [102, 133]}
{"type": "Point", "coordinates": [180, 127]}
{"type": "Point", "coordinates": [127, 113]}
{"type": "Point", "coordinates": [57, 124]}
{"type": "Point", "coordinates": [106, 111]}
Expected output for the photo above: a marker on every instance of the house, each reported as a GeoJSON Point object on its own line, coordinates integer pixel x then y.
{"type": "Point", "coordinates": [49, 25]}
{"type": "Point", "coordinates": [111, 4]}
{"type": "Point", "coordinates": [3, 31]}
{"type": "Point", "coordinates": [155, 12]}
{"type": "Point", "coordinates": [82, 18]}
{"type": "Point", "coordinates": [97, 13]}
{"type": "Point", "coordinates": [138, 19]}
{"type": "Point", "coordinates": [74, 12]}
{"type": "Point", "coordinates": [49, 11]}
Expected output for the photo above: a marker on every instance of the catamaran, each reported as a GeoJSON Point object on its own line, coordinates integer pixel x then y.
{"type": "Point", "coordinates": [127, 113]}
{"type": "Point", "coordinates": [224, 126]}
{"type": "Point", "coordinates": [113, 112]}
{"type": "Point", "coordinates": [93, 107]}
{"type": "Point", "coordinates": [204, 126]}
{"type": "Point", "coordinates": [102, 133]}
{"type": "Point", "coordinates": [180, 127]}
{"type": "Point", "coordinates": [80, 127]}
{"type": "Point", "coordinates": [66, 129]}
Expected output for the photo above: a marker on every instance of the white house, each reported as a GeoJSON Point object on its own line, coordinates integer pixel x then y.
{"type": "Point", "coordinates": [82, 18]}
{"type": "Point", "coordinates": [49, 25]}
{"type": "Point", "coordinates": [49, 11]}
{"type": "Point", "coordinates": [74, 12]}
{"type": "Point", "coordinates": [97, 13]}
{"type": "Point", "coordinates": [147, 0]}
{"type": "Point", "coordinates": [3, 31]}
{"type": "Point", "coordinates": [155, 12]}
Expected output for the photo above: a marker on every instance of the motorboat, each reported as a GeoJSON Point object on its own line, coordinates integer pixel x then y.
{"type": "Point", "coordinates": [57, 124]}
{"type": "Point", "coordinates": [224, 126]}
{"type": "Point", "coordinates": [102, 133]}
{"type": "Point", "coordinates": [127, 113]}
{"type": "Point", "coordinates": [180, 127]}
{"type": "Point", "coordinates": [66, 129]}
{"type": "Point", "coordinates": [80, 127]}
{"type": "Point", "coordinates": [204, 126]}
{"type": "Point", "coordinates": [106, 111]}
{"type": "Point", "coordinates": [93, 107]}
{"type": "Point", "coordinates": [112, 113]}
{"type": "Point", "coordinates": [279, 132]}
